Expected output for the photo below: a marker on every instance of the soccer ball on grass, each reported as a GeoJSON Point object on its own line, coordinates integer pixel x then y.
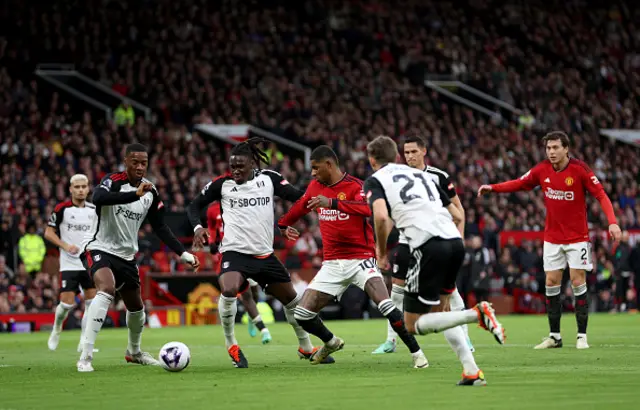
{"type": "Point", "coordinates": [174, 356]}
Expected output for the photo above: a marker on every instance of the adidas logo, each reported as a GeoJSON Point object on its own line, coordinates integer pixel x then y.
{"type": "Point", "coordinates": [548, 181]}
{"type": "Point", "coordinates": [235, 189]}
{"type": "Point", "coordinates": [98, 320]}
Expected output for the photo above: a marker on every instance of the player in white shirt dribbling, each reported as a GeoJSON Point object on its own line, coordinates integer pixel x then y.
{"type": "Point", "coordinates": [68, 229]}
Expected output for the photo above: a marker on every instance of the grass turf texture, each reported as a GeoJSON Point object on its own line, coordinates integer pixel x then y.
{"type": "Point", "coordinates": [605, 376]}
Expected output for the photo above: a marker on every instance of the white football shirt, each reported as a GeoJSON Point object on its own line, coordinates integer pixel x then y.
{"type": "Point", "coordinates": [73, 225]}
{"type": "Point", "coordinates": [415, 203]}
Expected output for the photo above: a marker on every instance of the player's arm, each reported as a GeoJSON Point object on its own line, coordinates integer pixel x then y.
{"type": "Point", "coordinates": [381, 219]}
{"type": "Point", "coordinates": [526, 182]}
{"type": "Point", "coordinates": [458, 217]}
{"type": "Point", "coordinates": [104, 196]}
{"type": "Point", "coordinates": [53, 226]}
{"type": "Point", "coordinates": [164, 233]}
{"type": "Point", "coordinates": [298, 210]}
{"type": "Point", "coordinates": [596, 189]}
{"type": "Point", "coordinates": [282, 188]}
{"type": "Point", "coordinates": [211, 192]}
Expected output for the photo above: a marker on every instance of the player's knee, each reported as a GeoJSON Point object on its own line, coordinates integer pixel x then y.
{"type": "Point", "coordinates": [67, 298]}
{"type": "Point", "coordinates": [398, 282]}
{"type": "Point", "coordinates": [231, 292]}
{"type": "Point", "coordinates": [552, 279]}
{"type": "Point", "coordinates": [302, 314]}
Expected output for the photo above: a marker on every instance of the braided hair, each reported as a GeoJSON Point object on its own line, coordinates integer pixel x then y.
{"type": "Point", "coordinates": [249, 148]}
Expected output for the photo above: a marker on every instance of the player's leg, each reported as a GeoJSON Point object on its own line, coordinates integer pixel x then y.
{"type": "Point", "coordinates": [400, 264]}
{"type": "Point", "coordinates": [554, 261]}
{"type": "Point", "coordinates": [231, 283]}
{"type": "Point", "coordinates": [248, 299]}
{"type": "Point", "coordinates": [99, 266]}
{"type": "Point", "coordinates": [89, 290]}
{"type": "Point", "coordinates": [68, 289]}
{"type": "Point", "coordinates": [579, 260]}
{"type": "Point", "coordinates": [456, 303]}
{"type": "Point", "coordinates": [371, 282]}
{"type": "Point", "coordinates": [136, 317]}
{"type": "Point", "coordinates": [430, 266]}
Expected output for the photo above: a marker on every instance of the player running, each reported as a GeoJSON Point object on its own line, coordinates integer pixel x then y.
{"type": "Point", "coordinates": [415, 150]}
{"type": "Point", "coordinates": [68, 229]}
{"type": "Point", "coordinates": [123, 201]}
{"type": "Point", "coordinates": [564, 181]}
{"type": "Point", "coordinates": [248, 298]}
{"type": "Point", "coordinates": [246, 198]}
{"type": "Point", "coordinates": [423, 213]}
{"type": "Point", "coordinates": [349, 254]}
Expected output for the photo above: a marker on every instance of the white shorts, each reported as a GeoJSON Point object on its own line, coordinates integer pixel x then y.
{"type": "Point", "coordinates": [334, 277]}
{"type": "Point", "coordinates": [576, 255]}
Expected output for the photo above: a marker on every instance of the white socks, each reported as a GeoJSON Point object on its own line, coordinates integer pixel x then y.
{"type": "Point", "coordinates": [62, 311]}
{"type": "Point", "coordinates": [135, 323]}
{"type": "Point", "coordinates": [228, 309]}
{"type": "Point", "coordinates": [96, 314]}
{"type": "Point", "coordinates": [457, 304]}
{"type": "Point", "coordinates": [397, 297]}
{"type": "Point", "coordinates": [87, 304]}
{"type": "Point", "coordinates": [303, 336]}
{"type": "Point", "coordinates": [458, 342]}
{"type": "Point", "coordinates": [439, 321]}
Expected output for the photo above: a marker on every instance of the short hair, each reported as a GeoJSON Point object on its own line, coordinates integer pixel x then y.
{"type": "Point", "coordinates": [324, 152]}
{"type": "Point", "coordinates": [78, 178]}
{"type": "Point", "coordinates": [136, 147]}
{"type": "Point", "coordinates": [557, 136]}
{"type": "Point", "coordinates": [416, 140]}
{"type": "Point", "coordinates": [383, 149]}
{"type": "Point", "coordinates": [249, 148]}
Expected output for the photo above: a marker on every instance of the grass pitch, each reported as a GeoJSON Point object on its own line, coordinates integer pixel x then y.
{"type": "Point", "coordinates": [605, 376]}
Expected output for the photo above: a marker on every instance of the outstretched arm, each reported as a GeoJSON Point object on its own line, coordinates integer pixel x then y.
{"type": "Point", "coordinates": [525, 183]}
{"type": "Point", "coordinates": [104, 196]}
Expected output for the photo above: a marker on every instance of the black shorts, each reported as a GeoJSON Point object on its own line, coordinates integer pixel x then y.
{"type": "Point", "coordinates": [72, 280]}
{"type": "Point", "coordinates": [262, 270]}
{"type": "Point", "coordinates": [400, 261]}
{"type": "Point", "coordinates": [125, 272]}
{"type": "Point", "coordinates": [432, 272]}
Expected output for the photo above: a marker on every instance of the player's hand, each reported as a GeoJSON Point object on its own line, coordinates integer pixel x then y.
{"type": "Point", "coordinates": [616, 233]}
{"type": "Point", "coordinates": [191, 259]}
{"type": "Point", "coordinates": [484, 189]}
{"type": "Point", "coordinates": [290, 233]}
{"type": "Point", "coordinates": [72, 249]}
{"type": "Point", "coordinates": [382, 259]}
{"type": "Point", "coordinates": [319, 201]}
{"type": "Point", "coordinates": [143, 188]}
{"type": "Point", "coordinates": [200, 238]}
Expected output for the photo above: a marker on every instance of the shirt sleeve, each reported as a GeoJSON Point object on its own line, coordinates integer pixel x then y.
{"type": "Point", "coordinates": [211, 192]}
{"type": "Point", "coordinates": [526, 182]}
{"type": "Point", "coordinates": [445, 182]}
{"type": "Point", "coordinates": [444, 196]}
{"type": "Point", "coordinates": [299, 208]}
{"type": "Point", "coordinates": [373, 191]}
{"type": "Point", "coordinates": [282, 188]}
{"type": "Point", "coordinates": [161, 229]}
{"type": "Point", "coordinates": [55, 220]}
{"type": "Point", "coordinates": [104, 194]}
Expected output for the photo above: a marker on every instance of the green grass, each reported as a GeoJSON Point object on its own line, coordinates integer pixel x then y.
{"type": "Point", "coordinates": [605, 376]}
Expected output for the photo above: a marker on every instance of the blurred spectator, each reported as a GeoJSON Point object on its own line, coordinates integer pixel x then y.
{"type": "Point", "coordinates": [32, 249]}
{"type": "Point", "coordinates": [479, 269]}
{"type": "Point", "coordinates": [623, 270]}
{"type": "Point", "coordinates": [4, 269]}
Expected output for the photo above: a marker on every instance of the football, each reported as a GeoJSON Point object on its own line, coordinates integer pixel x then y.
{"type": "Point", "coordinates": [174, 356]}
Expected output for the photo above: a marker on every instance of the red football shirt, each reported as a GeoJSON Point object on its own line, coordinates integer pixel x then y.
{"type": "Point", "coordinates": [564, 197]}
{"type": "Point", "coordinates": [214, 223]}
{"type": "Point", "coordinates": [346, 231]}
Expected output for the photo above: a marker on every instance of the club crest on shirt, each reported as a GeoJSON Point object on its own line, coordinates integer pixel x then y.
{"type": "Point", "coordinates": [146, 201]}
{"type": "Point", "coordinates": [568, 181]}
{"type": "Point", "coordinates": [342, 196]}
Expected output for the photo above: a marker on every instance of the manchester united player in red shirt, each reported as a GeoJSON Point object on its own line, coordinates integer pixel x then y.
{"type": "Point", "coordinates": [249, 297]}
{"type": "Point", "coordinates": [349, 253]}
{"type": "Point", "coordinates": [564, 181]}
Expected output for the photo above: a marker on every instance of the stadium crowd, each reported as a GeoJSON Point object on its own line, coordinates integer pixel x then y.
{"type": "Point", "coordinates": [324, 72]}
